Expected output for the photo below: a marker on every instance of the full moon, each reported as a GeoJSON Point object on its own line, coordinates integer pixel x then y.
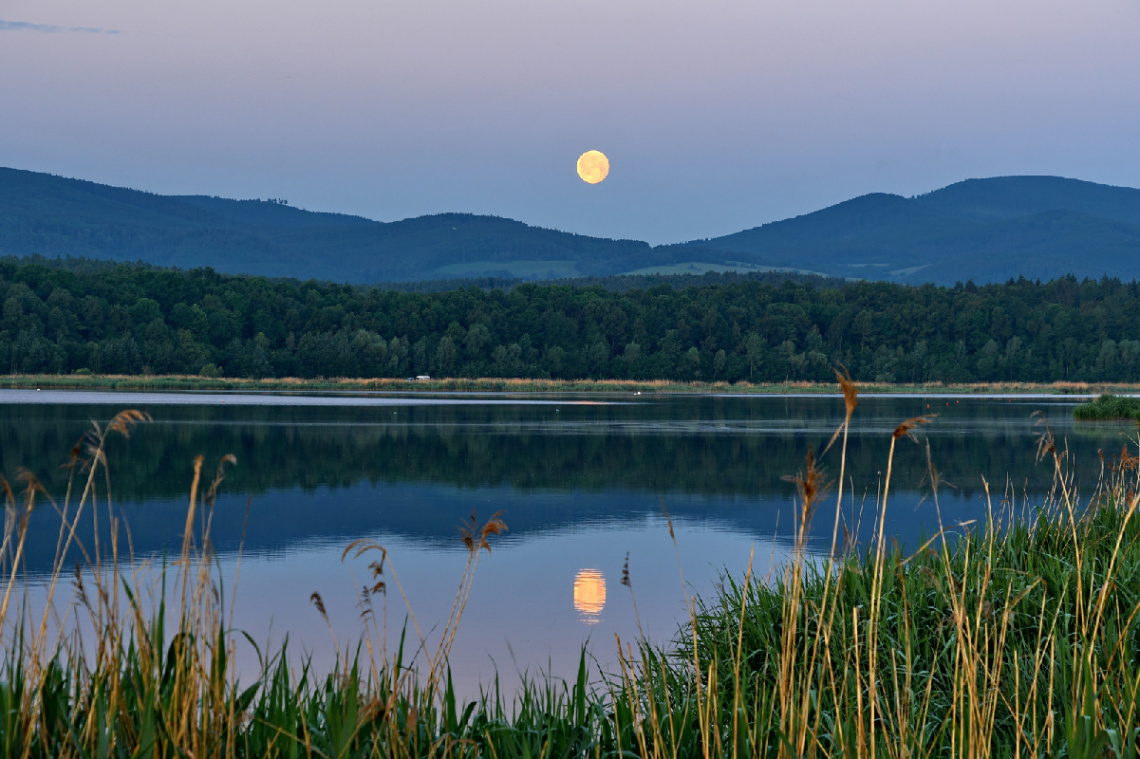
{"type": "Point", "coordinates": [593, 166]}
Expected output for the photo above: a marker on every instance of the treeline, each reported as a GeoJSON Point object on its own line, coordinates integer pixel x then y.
{"type": "Point", "coordinates": [134, 320]}
{"type": "Point", "coordinates": [617, 282]}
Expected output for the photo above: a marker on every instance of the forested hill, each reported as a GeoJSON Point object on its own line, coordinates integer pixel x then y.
{"type": "Point", "coordinates": [132, 319]}
{"type": "Point", "coordinates": [987, 230]}
{"type": "Point", "coordinates": [53, 216]}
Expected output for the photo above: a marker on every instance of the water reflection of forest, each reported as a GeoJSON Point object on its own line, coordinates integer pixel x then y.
{"type": "Point", "coordinates": [712, 446]}
{"type": "Point", "coordinates": [308, 474]}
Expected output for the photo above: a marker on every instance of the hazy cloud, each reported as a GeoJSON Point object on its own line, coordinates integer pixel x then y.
{"type": "Point", "coordinates": [25, 26]}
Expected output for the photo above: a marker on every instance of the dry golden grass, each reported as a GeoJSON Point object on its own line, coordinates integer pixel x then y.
{"type": "Point", "coordinates": [509, 384]}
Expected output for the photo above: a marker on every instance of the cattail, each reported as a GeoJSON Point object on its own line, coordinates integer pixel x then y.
{"type": "Point", "coordinates": [850, 401]}
{"type": "Point", "coordinates": [811, 486]}
{"type": "Point", "coordinates": [320, 604]}
{"type": "Point", "coordinates": [494, 526]}
{"type": "Point", "coordinates": [123, 421]}
{"type": "Point", "coordinates": [907, 428]}
{"type": "Point", "coordinates": [1046, 443]}
{"type": "Point", "coordinates": [219, 475]}
{"type": "Point", "coordinates": [475, 537]}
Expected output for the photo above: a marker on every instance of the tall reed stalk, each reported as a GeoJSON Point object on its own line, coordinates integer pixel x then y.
{"type": "Point", "coordinates": [1016, 637]}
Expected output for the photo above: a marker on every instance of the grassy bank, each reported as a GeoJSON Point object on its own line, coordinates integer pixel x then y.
{"type": "Point", "coordinates": [1107, 407]}
{"type": "Point", "coordinates": [499, 385]}
{"type": "Point", "coordinates": [1017, 637]}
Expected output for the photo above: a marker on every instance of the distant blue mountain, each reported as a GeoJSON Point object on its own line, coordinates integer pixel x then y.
{"type": "Point", "coordinates": [54, 216]}
{"type": "Point", "coordinates": [981, 229]}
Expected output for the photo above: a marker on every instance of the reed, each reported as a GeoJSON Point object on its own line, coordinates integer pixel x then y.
{"type": "Point", "coordinates": [1015, 637]}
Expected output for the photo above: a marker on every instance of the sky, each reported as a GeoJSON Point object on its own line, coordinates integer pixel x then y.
{"type": "Point", "coordinates": [716, 116]}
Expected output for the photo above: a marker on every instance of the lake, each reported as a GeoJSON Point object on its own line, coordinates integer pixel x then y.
{"type": "Point", "coordinates": [584, 483]}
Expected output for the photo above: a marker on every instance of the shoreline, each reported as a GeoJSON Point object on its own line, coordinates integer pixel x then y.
{"type": "Point", "coordinates": [541, 386]}
{"type": "Point", "coordinates": [1004, 605]}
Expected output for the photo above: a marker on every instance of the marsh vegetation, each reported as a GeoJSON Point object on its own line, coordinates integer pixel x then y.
{"type": "Point", "coordinates": [1016, 635]}
{"type": "Point", "coordinates": [1107, 407]}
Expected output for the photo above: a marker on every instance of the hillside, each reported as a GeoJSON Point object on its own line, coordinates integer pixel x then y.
{"type": "Point", "coordinates": [988, 230]}
{"type": "Point", "coordinates": [54, 216]}
{"type": "Point", "coordinates": [1008, 197]}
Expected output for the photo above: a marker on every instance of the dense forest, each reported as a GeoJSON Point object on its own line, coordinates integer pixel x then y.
{"type": "Point", "coordinates": [125, 319]}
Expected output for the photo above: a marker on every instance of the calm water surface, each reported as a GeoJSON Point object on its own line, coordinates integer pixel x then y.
{"type": "Point", "coordinates": [581, 481]}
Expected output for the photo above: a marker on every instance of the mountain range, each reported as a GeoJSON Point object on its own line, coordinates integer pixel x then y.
{"type": "Point", "coordinates": [986, 230]}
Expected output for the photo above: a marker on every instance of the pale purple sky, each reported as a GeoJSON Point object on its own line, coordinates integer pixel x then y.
{"type": "Point", "coordinates": [717, 116]}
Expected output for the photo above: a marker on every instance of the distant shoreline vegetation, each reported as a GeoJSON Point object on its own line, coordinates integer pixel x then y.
{"type": "Point", "coordinates": [175, 382]}
{"type": "Point", "coordinates": [70, 319]}
{"type": "Point", "coordinates": [1108, 407]}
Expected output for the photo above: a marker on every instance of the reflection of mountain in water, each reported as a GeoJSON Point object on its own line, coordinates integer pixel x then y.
{"type": "Point", "coordinates": [431, 515]}
{"type": "Point", "coordinates": [333, 474]}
